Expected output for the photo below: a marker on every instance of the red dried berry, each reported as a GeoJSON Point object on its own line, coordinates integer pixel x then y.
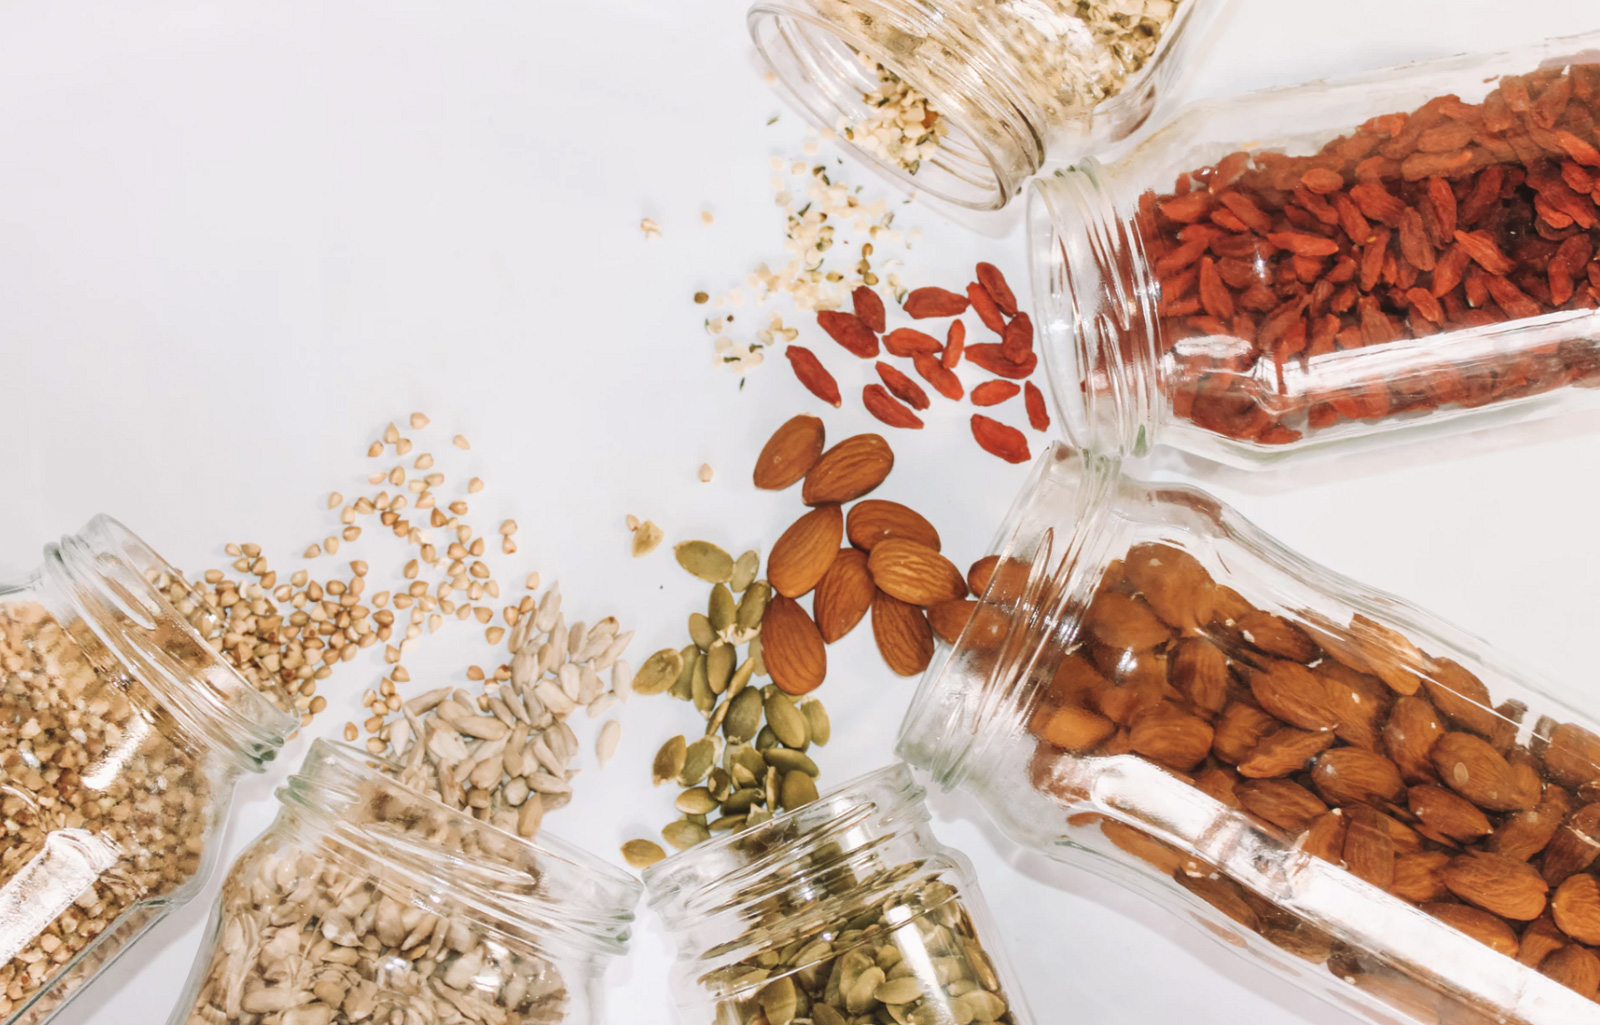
{"type": "Point", "coordinates": [934, 302]}
{"type": "Point", "coordinates": [906, 342]}
{"type": "Point", "coordinates": [954, 342]}
{"type": "Point", "coordinates": [945, 382]}
{"type": "Point", "coordinates": [903, 387]}
{"type": "Point", "coordinates": [990, 357]}
{"type": "Point", "coordinates": [869, 307]}
{"type": "Point", "coordinates": [848, 330]}
{"type": "Point", "coordinates": [1033, 399]}
{"type": "Point", "coordinates": [992, 393]}
{"type": "Point", "coordinates": [883, 406]}
{"type": "Point", "coordinates": [994, 283]}
{"type": "Point", "coordinates": [983, 305]}
{"type": "Point", "coordinates": [997, 439]}
{"type": "Point", "coordinates": [813, 374]}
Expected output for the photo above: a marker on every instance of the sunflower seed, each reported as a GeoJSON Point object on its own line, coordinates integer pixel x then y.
{"type": "Point", "coordinates": [605, 745]}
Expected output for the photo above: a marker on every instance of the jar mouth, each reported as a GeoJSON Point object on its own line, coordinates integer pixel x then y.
{"type": "Point", "coordinates": [990, 148]}
{"type": "Point", "coordinates": [109, 575]}
{"type": "Point", "coordinates": [1050, 549]}
{"type": "Point", "coordinates": [534, 889]}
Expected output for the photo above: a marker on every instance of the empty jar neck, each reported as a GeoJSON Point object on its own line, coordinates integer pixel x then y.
{"type": "Point", "coordinates": [549, 896]}
{"type": "Point", "coordinates": [1095, 303]}
{"type": "Point", "coordinates": [815, 866]}
{"type": "Point", "coordinates": [826, 52]}
{"type": "Point", "coordinates": [103, 586]}
{"type": "Point", "coordinates": [1053, 548]}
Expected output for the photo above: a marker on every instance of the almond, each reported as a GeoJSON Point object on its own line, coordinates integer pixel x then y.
{"type": "Point", "coordinates": [1172, 738]}
{"type": "Point", "coordinates": [1124, 624]}
{"type": "Point", "coordinates": [1576, 908]}
{"type": "Point", "coordinates": [1454, 818]}
{"type": "Point", "coordinates": [1480, 925]}
{"type": "Point", "coordinates": [1498, 884]}
{"type": "Point", "coordinates": [843, 595]}
{"type": "Point", "coordinates": [1573, 755]}
{"type": "Point", "coordinates": [979, 573]}
{"type": "Point", "coordinates": [1284, 752]}
{"type": "Point", "coordinates": [904, 638]}
{"type": "Point", "coordinates": [792, 647]}
{"type": "Point", "coordinates": [1166, 858]}
{"type": "Point", "coordinates": [1539, 940]}
{"type": "Point", "coordinates": [1462, 698]}
{"type": "Point", "coordinates": [1574, 967]}
{"type": "Point", "coordinates": [1276, 636]}
{"type": "Point", "coordinates": [1473, 769]}
{"type": "Point", "coordinates": [1071, 729]}
{"type": "Point", "coordinates": [1128, 702]}
{"type": "Point", "coordinates": [949, 618]}
{"type": "Point", "coordinates": [1526, 833]}
{"type": "Point", "coordinates": [1286, 805]}
{"type": "Point", "coordinates": [1294, 694]}
{"type": "Point", "coordinates": [914, 573]}
{"type": "Point", "coordinates": [790, 453]}
{"type": "Point", "coordinates": [1410, 734]}
{"type": "Point", "coordinates": [1174, 584]}
{"type": "Point", "coordinates": [1388, 654]}
{"type": "Point", "coordinates": [875, 519]}
{"type": "Point", "coordinates": [1076, 680]}
{"type": "Point", "coordinates": [1239, 729]}
{"type": "Point", "coordinates": [1360, 702]}
{"type": "Point", "coordinates": [1219, 784]}
{"type": "Point", "coordinates": [1574, 846]}
{"type": "Point", "coordinates": [1369, 847]}
{"type": "Point", "coordinates": [1354, 775]}
{"type": "Point", "coordinates": [1417, 879]}
{"type": "Point", "coordinates": [804, 552]}
{"type": "Point", "coordinates": [848, 470]}
{"type": "Point", "coordinates": [1325, 839]}
{"type": "Point", "coordinates": [1199, 670]}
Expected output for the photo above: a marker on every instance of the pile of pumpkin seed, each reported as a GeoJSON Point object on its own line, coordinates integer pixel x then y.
{"type": "Point", "coordinates": [912, 958]}
{"type": "Point", "coordinates": [751, 761]}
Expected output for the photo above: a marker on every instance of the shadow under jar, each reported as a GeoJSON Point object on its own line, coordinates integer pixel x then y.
{"type": "Point", "coordinates": [1296, 268]}
{"type": "Point", "coordinates": [965, 99]}
{"type": "Point", "coordinates": [121, 736]}
{"type": "Point", "coordinates": [845, 911]}
{"type": "Point", "coordinates": [1374, 804]}
{"type": "Point", "coordinates": [367, 902]}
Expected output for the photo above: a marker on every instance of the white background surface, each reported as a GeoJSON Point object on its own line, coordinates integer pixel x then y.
{"type": "Point", "coordinates": [235, 240]}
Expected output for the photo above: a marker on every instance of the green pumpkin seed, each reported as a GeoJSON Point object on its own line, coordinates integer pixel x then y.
{"type": "Point", "coordinates": [701, 632]}
{"type": "Point", "coordinates": [743, 777]}
{"type": "Point", "coordinates": [745, 568]}
{"type": "Point", "coordinates": [756, 817]}
{"type": "Point", "coordinates": [720, 783]}
{"type": "Point", "coordinates": [696, 802]}
{"type": "Point", "coordinates": [861, 996]}
{"type": "Point", "coordinates": [756, 661]}
{"type": "Point", "coordinates": [642, 854]}
{"type": "Point", "coordinates": [741, 800]}
{"type": "Point", "coordinates": [741, 677]}
{"type": "Point", "coordinates": [774, 787]}
{"type": "Point", "coordinates": [705, 699]}
{"type": "Point", "coordinates": [684, 834]}
{"type": "Point", "coordinates": [668, 761]}
{"type": "Point", "coordinates": [719, 665]}
{"type": "Point", "coordinates": [799, 789]}
{"type": "Point", "coordinates": [718, 715]}
{"type": "Point", "coordinates": [721, 609]}
{"type": "Point", "coordinates": [983, 1005]}
{"type": "Point", "coordinates": [778, 1002]}
{"type": "Point", "coordinates": [744, 718]}
{"type": "Point", "coordinates": [751, 760]}
{"type": "Point", "coordinates": [823, 1014]}
{"type": "Point", "coordinates": [766, 738]}
{"type": "Point", "coordinates": [900, 991]}
{"type": "Point", "coordinates": [787, 722]}
{"type": "Point", "coordinates": [753, 606]}
{"type": "Point", "coordinates": [697, 761]}
{"type": "Point", "coordinates": [786, 761]}
{"type": "Point", "coordinates": [728, 822]}
{"type": "Point", "coordinates": [658, 672]}
{"type": "Point", "coordinates": [704, 560]}
{"type": "Point", "coordinates": [683, 687]}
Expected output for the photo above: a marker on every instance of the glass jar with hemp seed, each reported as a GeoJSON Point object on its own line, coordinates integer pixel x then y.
{"type": "Point", "coordinates": [1344, 263]}
{"type": "Point", "coordinates": [368, 903]}
{"type": "Point", "coordinates": [965, 99]}
{"type": "Point", "coordinates": [122, 733]}
{"type": "Point", "coordinates": [845, 911]}
{"type": "Point", "coordinates": [1379, 808]}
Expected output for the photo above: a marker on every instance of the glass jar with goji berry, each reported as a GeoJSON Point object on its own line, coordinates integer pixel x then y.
{"type": "Point", "coordinates": [1409, 250]}
{"type": "Point", "coordinates": [965, 100]}
{"type": "Point", "coordinates": [1366, 800]}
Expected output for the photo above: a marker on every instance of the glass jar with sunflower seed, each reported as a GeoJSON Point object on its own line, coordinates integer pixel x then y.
{"type": "Point", "coordinates": [846, 911]}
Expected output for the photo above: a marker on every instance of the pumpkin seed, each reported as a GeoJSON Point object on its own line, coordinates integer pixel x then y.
{"type": "Point", "coordinates": [983, 1005]}
{"type": "Point", "coordinates": [745, 568]}
{"type": "Point", "coordinates": [799, 789]}
{"type": "Point", "coordinates": [778, 1003]}
{"type": "Point", "coordinates": [774, 787]}
{"type": "Point", "coordinates": [697, 761]}
{"type": "Point", "coordinates": [824, 1014]}
{"type": "Point", "coordinates": [741, 800]}
{"type": "Point", "coordinates": [741, 677]}
{"type": "Point", "coordinates": [759, 663]}
{"type": "Point", "coordinates": [721, 609]}
{"type": "Point", "coordinates": [757, 816]}
{"type": "Point", "coordinates": [786, 721]}
{"type": "Point", "coordinates": [766, 739]}
{"type": "Point", "coordinates": [719, 666]}
{"type": "Point", "coordinates": [752, 762]}
{"type": "Point", "coordinates": [684, 834]}
{"type": "Point", "coordinates": [900, 991]}
{"type": "Point", "coordinates": [720, 783]}
{"type": "Point", "coordinates": [753, 606]}
{"type": "Point", "coordinates": [744, 717]}
{"type": "Point", "coordinates": [860, 998]}
{"type": "Point", "coordinates": [658, 672]}
{"type": "Point", "coordinates": [642, 853]}
{"type": "Point", "coordinates": [701, 631]}
{"type": "Point", "coordinates": [669, 761]}
{"type": "Point", "coordinates": [728, 823]}
{"type": "Point", "coordinates": [704, 560]}
{"type": "Point", "coordinates": [705, 699]}
{"type": "Point", "coordinates": [785, 760]}
{"type": "Point", "coordinates": [718, 715]}
{"type": "Point", "coordinates": [817, 720]}
{"type": "Point", "coordinates": [696, 802]}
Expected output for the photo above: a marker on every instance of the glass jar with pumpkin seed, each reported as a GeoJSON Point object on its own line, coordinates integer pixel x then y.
{"type": "Point", "coordinates": [846, 911]}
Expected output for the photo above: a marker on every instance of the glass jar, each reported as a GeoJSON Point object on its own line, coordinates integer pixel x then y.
{"type": "Point", "coordinates": [1407, 250]}
{"type": "Point", "coordinates": [845, 910]}
{"type": "Point", "coordinates": [121, 737]}
{"type": "Point", "coordinates": [1372, 802]}
{"type": "Point", "coordinates": [369, 902]}
{"type": "Point", "coordinates": [964, 99]}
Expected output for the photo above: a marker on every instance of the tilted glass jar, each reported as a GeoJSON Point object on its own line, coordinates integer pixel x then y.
{"type": "Point", "coordinates": [121, 736]}
{"type": "Point", "coordinates": [368, 902]}
{"type": "Point", "coordinates": [964, 99]}
{"type": "Point", "coordinates": [835, 912]}
{"type": "Point", "coordinates": [1375, 804]}
{"type": "Point", "coordinates": [1410, 250]}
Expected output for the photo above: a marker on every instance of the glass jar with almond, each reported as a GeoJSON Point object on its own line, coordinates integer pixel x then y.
{"type": "Point", "coordinates": [121, 735]}
{"type": "Point", "coordinates": [1368, 800]}
{"type": "Point", "coordinates": [1412, 251]}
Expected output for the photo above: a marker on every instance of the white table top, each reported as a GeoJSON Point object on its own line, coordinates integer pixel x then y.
{"type": "Point", "coordinates": [235, 240]}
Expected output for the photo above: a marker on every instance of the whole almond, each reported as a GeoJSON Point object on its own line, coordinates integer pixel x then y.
{"type": "Point", "coordinates": [1125, 624]}
{"type": "Point", "coordinates": [1462, 698]}
{"type": "Point", "coordinates": [1294, 694]}
{"type": "Point", "coordinates": [1172, 738]}
{"type": "Point", "coordinates": [1174, 584]}
{"type": "Point", "coordinates": [1358, 700]}
{"type": "Point", "coordinates": [848, 470]}
{"type": "Point", "coordinates": [1497, 884]}
{"type": "Point", "coordinates": [1453, 818]}
{"type": "Point", "coordinates": [1526, 833]}
{"type": "Point", "coordinates": [1076, 680]}
{"type": "Point", "coordinates": [905, 640]}
{"type": "Point", "coordinates": [1473, 769]}
{"type": "Point", "coordinates": [914, 573]}
{"type": "Point", "coordinates": [1369, 847]}
{"type": "Point", "coordinates": [790, 453]}
{"type": "Point", "coordinates": [1239, 729]}
{"type": "Point", "coordinates": [949, 618]}
{"type": "Point", "coordinates": [1283, 803]}
{"type": "Point", "coordinates": [1574, 846]}
{"type": "Point", "coordinates": [1326, 836]}
{"type": "Point", "coordinates": [979, 574]}
{"type": "Point", "coordinates": [1199, 670]}
{"type": "Point", "coordinates": [1287, 751]}
{"type": "Point", "coordinates": [792, 648]}
{"type": "Point", "coordinates": [1389, 655]}
{"type": "Point", "coordinates": [1492, 932]}
{"type": "Point", "coordinates": [1417, 879]}
{"type": "Point", "coordinates": [1576, 908]}
{"type": "Point", "coordinates": [1354, 775]}
{"type": "Point", "coordinates": [1574, 967]}
{"type": "Point", "coordinates": [1412, 730]}
{"type": "Point", "coordinates": [1276, 635]}
{"type": "Point", "coordinates": [803, 553]}
{"type": "Point", "coordinates": [1071, 729]}
{"type": "Point", "coordinates": [1540, 939]}
{"type": "Point", "coordinates": [843, 595]}
{"type": "Point", "coordinates": [1573, 755]}
{"type": "Point", "coordinates": [874, 519]}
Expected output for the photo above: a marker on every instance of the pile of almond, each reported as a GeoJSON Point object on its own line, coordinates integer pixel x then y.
{"type": "Point", "coordinates": [892, 565]}
{"type": "Point", "coordinates": [1349, 742]}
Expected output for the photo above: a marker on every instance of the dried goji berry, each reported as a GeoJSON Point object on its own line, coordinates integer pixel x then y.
{"type": "Point", "coordinates": [903, 387]}
{"type": "Point", "coordinates": [813, 374]}
{"type": "Point", "coordinates": [883, 406]}
{"type": "Point", "coordinates": [1033, 400]}
{"type": "Point", "coordinates": [848, 330]}
{"type": "Point", "coordinates": [869, 307]}
{"type": "Point", "coordinates": [989, 356]}
{"type": "Point", "coordinates": [934, 302]}
{"type": "Point", "coordinates": [995, 284]}
{"type": "Point", "coordinates": [1000, 440]}
{"type": "Point", "coordinates": [992, 393]}
{"type": "Point", "coordinates": [906, 342]}
{"type": "Point", "coordinates": [984, 306]}
{"type": "Point", "coordinates": [954, 342]}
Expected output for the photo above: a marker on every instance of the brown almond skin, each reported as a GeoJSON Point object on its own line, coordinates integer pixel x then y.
{"type": "Point", "coordinates": [792, 647]}
{"type": "Point", "coordinates": [1285, 804]}
{"type": "Point", "coordinates": [1574, 846]}
{"type": "Point", "coordinates": [1360, 701]}
{"type": "Point", "coordinates": [914, 572]}
{"type": "Point", "coordinates": [1325, 839]}
{"type": "Point", "coordinates": [1388, 654]}
{"type": "Point", "coordinates": [874, 519]}
{"type": "Point", "coordinates": [1469, 766]}
{"type": "Point", "coordinates": [803, 553]}
{"type": "Point", "coordinates": [1369, 847]}
{"type": "Point", "coordinates": [979, 574]}
{"type": "Point", "coordinates": [1573, 756]}
{"type": "Point", "coordinates": [1497, 884]}
{"type": "Point", "coordinates": [1174, 584]}
{"type": "Point", "coordinates": [1199, 670]}
{"type": "Point", "coordinates": [1492, 932]}
{"type": "Point", "coordinates": [1295, 694]}
{"type": "Point", "coordinates": [848, 470]}
{"type": "Point", "coordinates": [1462, 698]}
{"type": "Point", "coordinates": [843, 595]}
{"type": "Point", "coordinates": [1277, 636]}
{"type": "Point", "coordinates": [1076, 680]}
{"type": "Point", "coordinates": [1287, 751]}
{"type": "Point", "coordinates": [1539, 940]}
{"type": "Point", "coordinates": [1240, 728]}
{"type": "Point", "coordinates": [1124, 623]}
{"type": "Point", "coordinates": [1576, 908]}
{"type": "Point", "coordinates": [905, 640]}
{"type": "Point", "coordinates": [1527, 833]}
{"type": "Point", "coordinates": [1172, 738]}
{"type": "Point", "coordinates": [1446, 814]}
{"type": "Point", "coordinates": [1417, 879]}
{"type": "Point", "coordinates": [1071, 729]}
{"type": "Point", "coordinates": [790, 453]}
{"type": "Point", "coordinates": [1574, 967]}
{"type": "Point", "coordinates": [1353, 775]}
{"type": "Point", "coordinates": [1412, 730]}
{"type": "Point", "coordinates": [949, 618]}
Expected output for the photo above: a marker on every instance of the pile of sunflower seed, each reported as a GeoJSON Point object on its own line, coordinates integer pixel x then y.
{"type": "Point", "coordinates": [751, 760]}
